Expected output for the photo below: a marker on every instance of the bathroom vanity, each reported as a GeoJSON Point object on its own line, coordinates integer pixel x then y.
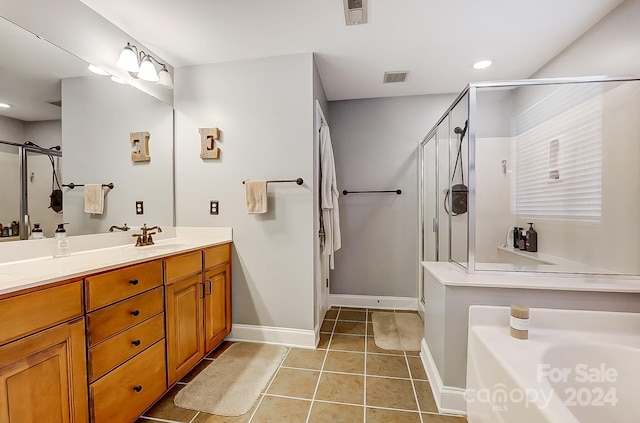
{"type": "Point", "coordinates": [105, 343]}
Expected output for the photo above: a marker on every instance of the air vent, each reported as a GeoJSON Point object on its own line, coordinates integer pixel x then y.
{"type": "Point", "coordinates": [355, 12]}
{"type": "Point", "coordinates": [390, 77]}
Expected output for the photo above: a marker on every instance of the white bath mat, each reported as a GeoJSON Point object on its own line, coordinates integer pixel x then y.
{"type": "Point", "coordinates": [231, 384]}
{"type": "Point", "coordinates": [397, 331]}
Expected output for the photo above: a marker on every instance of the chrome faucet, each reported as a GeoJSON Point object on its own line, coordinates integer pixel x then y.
{"type": "Point", "coordinates": [121, 228]}
{"type": "Point", "coordinates": [145, 237]}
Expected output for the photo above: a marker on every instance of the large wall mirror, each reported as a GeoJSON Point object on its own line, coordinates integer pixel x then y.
{"type": "Point", "coordinates": [69, 124]}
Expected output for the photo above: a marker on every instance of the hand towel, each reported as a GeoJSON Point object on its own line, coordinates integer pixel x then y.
{"type": "Point", "coordinates": [93, 198]}
{"type": "Point", "coordinates": [256, 192]}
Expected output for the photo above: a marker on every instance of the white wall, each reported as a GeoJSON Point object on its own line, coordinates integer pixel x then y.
{"type": "Point", "coordinates": [98, 116]}
{"type": "Point", "coordinates": [610, 47]}
{"type": "Point", "coordinates": [264, 109]}
{"type": "Point", "coordinates": [375, 142]}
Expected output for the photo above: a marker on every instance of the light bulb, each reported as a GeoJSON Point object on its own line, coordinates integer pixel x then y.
{"type": "Point", "coordinates": [482, 64]}
{"type": "Point", "coordinates": [165, 78]}
{"type": "Point", "coordinates": [128, 59]}
{"type": "Point", "coordinates": [147, 70]}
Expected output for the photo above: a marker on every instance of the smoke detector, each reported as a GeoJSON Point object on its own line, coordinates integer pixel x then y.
{"type": "Point", "coordinates": [355, 12]}
{"type": "Point", "coordinates": [390, 77]}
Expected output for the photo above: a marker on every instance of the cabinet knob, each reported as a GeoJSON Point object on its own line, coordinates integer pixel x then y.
{"type": "Point", "coordinates": [136, 342]}
{"type": "Point", "coordinates": [135, 312]}
{"type": "Point", "coordinates": [133, 281]}
{"type": "Point", "coordinates": [137, 388]}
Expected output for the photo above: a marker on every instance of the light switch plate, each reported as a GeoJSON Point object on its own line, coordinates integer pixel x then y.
{"type": "Point", "coordinates": [213, 207]}
{"type": "Point", "coordinates": [139, 207]}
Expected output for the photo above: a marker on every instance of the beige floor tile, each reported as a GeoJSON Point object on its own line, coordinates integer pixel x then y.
{"type": "Point", "coordinates": [425, 396]}
{"type": "Point", "coordinates": [347, 362]}
{"type": "Point", "coordinates": [294, 383]}
{"type": "Point", "coordinates": [442, 418]}
{"type": "Point", "coordinates": [220, 349]}
{"type": "Point", "coordinates": [331, 314]}
{"type": "Point", "coordinates": [352, 309]}
{"type": "Point", "coordinates": [373, 348]}
{"type": "Point", "coordinates": [369, 329]}
{"type": "Point", "coordinates": [323, 343]}
{"type": "Point", "coordinates": [379, 415]}
{"type": "Point", "coordinates": [387, 365]}
{"type": "Point", "coordinates": [359, 316]}
{"type": "Point", "coordinates": [390, 393]}
{"type": "Point", "coordinates": [279, 410]}
{"type": "Point", "coordinates": [341, 388]}
{"type": "Point", "coordinates": [412, 353]}
{"type": "Point", "coordinates": [327, 326]}
{"type": "Point", "coordinates": [323, 412]}
{"type": "Point", "coordinates": [214, 418]}
{"type": "Point", "coordinates": [166, 409]}
{"type": "Point", "coordinates": [305, 359]}
{"type": "Point", "coordinates": [417, 368]}
{"type": "Point", "coordinates": [347, 343]}
{"type": "Point", "coordinates": [196, 371]}
{"type": "Point", "coordinates": [351, 328]}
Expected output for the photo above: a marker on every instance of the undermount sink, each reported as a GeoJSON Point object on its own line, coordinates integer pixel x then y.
{"type": "Point", "coordinates": [159, 247]}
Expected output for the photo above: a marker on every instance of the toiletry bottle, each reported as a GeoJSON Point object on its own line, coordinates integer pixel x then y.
{"type": "Point", "coordinates": [36, 232]}
{"type": "Point", "coordinates": [15, 228]}
{"type": "Point", "coordinates": [532, 239]}
{"type": "Point", "coordinates": [509, 237]}
{"type": "Point", "coordinates": [522, 243]}
{"type": "Point", "coordinates": [62, 243]}
{"type": "Point", "coordinates": [519, 321]}
{"type": "Point", "coordinates": [516, 236]}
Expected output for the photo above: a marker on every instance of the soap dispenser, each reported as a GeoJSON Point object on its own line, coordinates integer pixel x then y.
{"type": "Point", "coordinates": [532, 239]}
{"type": "Point", "coordinates": [62, 243]}
{"type": "Point", "coordinates": [36, 232]}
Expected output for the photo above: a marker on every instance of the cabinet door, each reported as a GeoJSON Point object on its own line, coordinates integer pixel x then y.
{"type": "Point", "coordinates": [43, 377]}
{"type": "Point", "coordinates": [185, 340]}
{"type": "Point", "coordinates": [217, 305]}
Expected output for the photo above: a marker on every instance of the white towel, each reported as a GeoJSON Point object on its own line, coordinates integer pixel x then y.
{"type": "Point", "coordinates": [256, 192]}
{"type": "Point", "coordinates": [93, 198]}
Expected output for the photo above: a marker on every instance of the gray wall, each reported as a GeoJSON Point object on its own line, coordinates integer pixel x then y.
{"type": "Point", "coordinates": [264, 109]}
{"type": "Point", "coordinates": [375, 143]}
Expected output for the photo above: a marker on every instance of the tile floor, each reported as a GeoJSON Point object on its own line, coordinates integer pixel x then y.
{"type": "Point", "coordinates": [347, 379]}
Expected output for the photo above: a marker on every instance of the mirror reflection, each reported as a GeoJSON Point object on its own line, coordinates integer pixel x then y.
{"type": "Point", "coordinates": [65, 125]}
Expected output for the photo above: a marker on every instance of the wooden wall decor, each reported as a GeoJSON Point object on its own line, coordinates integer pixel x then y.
{"type": "Point", "coordinates": [208, 150]}
{"type": "Point", "coordinates": [140, 141]}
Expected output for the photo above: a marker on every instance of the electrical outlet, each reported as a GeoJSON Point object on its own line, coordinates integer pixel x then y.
{"type": "Point", "coordinates": [139, 207]}
{"type": "Point", "coordinates": [213, 207]}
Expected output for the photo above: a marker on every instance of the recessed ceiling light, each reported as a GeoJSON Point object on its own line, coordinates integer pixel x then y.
{"type": "Point", "coordinates": [5, 105]}
{"type": "Point", "coordinates": [97, 70]}
{"type": "Point", "coordinates": [482, 64]}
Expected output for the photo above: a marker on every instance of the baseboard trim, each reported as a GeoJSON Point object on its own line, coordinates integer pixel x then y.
{"type": "Point", "coordinates": [289, 337]}
{"type": "Point", "coordinates": [370, 301]}
{"type": "Point", "coordinates": [449, 399]}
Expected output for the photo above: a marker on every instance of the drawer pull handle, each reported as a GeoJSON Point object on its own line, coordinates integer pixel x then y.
{"type": "Point", "coordinates": [137, 388]}
{"type": "Point", "coordinates": [133, 281]}
{"type": "Point", "coordinates": [135, 312]}
{"type": "Point", "coordinates": [136, 342]}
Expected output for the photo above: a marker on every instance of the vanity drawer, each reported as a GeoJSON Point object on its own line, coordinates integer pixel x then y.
{"type": "Point", "coordinates": [180, 266]}
{"type": "Point", "coordinates": [29, 313]}
{"type": "Point", "coordinates": [108, 321]}
{"type": "Point", "coordinates": [110, 287]}
{"type": "Point", "coordinates": [123, 394]}
{"type": "Point", "coordinates": [217, 255]}
{"type": "Point", "coordinates": [121, 347]}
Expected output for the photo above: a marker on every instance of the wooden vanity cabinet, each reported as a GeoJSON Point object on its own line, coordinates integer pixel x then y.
{"type": "Point", "coordinates": [43, 376]}
{"type": "Point", "coordinates": [125, 341]}
{"type": "Point", "coordinates": [198, 303]}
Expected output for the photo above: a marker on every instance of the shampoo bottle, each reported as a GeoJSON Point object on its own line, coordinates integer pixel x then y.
{"type": "Point", "coordinates": [62, 243]}
{"type": "Point", "coordinates": [532, 239]}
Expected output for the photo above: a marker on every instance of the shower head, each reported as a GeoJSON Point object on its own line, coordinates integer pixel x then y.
{"type": "Point", "coordinates": [461, 131]}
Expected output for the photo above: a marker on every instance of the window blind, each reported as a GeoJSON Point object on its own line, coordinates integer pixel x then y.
{"type": "Point", "coordinates": [558, 172]}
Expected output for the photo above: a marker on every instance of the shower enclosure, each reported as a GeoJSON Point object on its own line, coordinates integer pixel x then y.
{"type": "Point", "coordinates": [561, 153]}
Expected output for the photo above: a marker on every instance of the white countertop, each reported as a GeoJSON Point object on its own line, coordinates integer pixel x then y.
{"type": "Point", "coordinates": [450, 274]}
{"type": "Point", "coordinates": [42, 268]}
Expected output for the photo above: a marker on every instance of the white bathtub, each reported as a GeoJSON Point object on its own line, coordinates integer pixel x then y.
{"type": "Point", "coordinates": [576, 366]}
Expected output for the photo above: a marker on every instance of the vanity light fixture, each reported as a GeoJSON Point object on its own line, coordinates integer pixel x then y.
{"type": "Point", "coordinates": [140, 65]}
{"type": "Point", "coordinates": [482, 64]}
{"type": "Point", "coordinates": [118, 80]}
{"type": "Point", "coordinates": [4, 105]}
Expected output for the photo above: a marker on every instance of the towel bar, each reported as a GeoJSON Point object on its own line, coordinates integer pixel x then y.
{"type": "Point", "coordinates": [345, 192]}
{"type": "Point", "coordinates": [298, 181]}
{"type": "Point", "coordinates": [72, 185]}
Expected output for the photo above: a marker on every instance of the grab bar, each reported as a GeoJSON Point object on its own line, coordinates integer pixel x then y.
{"type": "Point", "coordinates": [345, 192]}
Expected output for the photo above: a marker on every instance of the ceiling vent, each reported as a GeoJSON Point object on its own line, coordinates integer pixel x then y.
{"type": "Point", "coordinates": [355, 12]}
{"type": "Point", "coordinates": [390, 77]}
